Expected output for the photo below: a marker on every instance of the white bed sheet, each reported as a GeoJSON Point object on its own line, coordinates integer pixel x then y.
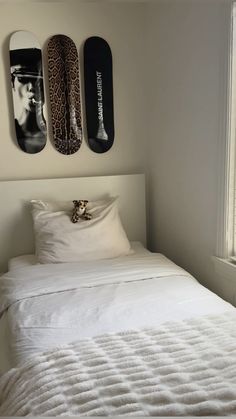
{"type": "Point", "coordinates": [57, 304]}
{"type": "Point", "coordinates": [23, 261]}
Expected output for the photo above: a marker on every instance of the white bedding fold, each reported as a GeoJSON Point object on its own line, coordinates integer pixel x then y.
{"type": "Point", "coordinates": [46, 279]}
{"type": "Point", "coordinates": [50, 305]}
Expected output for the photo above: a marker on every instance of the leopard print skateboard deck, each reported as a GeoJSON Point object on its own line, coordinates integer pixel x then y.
{"type": "Point", "coordinates": [98, 86]}
{"type": "Point", "coordinates": [64, 92]}
{"type": "Point", "coordinates": [27, 91]}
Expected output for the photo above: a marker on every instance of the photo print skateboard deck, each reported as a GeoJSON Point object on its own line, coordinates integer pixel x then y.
{"type": "Point", "coordinates": [64, 92]}
{"type": "Point", "coordinates": [98, 86]}
{"type": "Point", "coordinates": [27, 91]}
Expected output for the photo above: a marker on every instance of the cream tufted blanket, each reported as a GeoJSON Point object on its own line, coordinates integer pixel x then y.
{"type": "Point", "coordinates": [180, 368]}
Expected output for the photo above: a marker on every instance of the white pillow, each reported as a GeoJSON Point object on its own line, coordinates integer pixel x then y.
{"type": "Point", "coordinates": [57, 239]}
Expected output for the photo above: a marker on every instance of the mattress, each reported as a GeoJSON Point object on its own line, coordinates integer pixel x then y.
{"type": "Point", "coordinates": [44, 306]}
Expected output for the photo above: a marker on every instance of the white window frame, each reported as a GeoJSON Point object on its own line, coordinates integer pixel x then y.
{"type": "Point", "coordinates": [226, 234]}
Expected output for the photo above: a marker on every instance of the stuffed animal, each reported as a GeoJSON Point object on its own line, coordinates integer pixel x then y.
{"type": "Point", "coordinates": [80, 211]}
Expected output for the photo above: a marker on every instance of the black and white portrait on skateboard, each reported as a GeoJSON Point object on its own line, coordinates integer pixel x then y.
{"type": "Point", "coordinates": [27, 91]}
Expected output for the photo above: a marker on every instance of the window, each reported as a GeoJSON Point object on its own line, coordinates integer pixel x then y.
{"type": "Point", "coordinates": [230, 184]}
{"type": "Point", "coordinates": [226, 247]}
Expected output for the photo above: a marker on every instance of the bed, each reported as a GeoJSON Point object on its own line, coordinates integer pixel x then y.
{"type": "Point", "coordinates": [131, 334]}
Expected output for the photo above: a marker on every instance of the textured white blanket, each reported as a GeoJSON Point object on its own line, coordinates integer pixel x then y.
{"type": "Point", "coordinates": [181, 368]}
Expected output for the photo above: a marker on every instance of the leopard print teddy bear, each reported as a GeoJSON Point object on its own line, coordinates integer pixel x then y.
{"type": "Point", "coordinates": [80, 211]}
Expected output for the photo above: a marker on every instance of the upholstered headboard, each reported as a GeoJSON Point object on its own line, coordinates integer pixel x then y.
{"type": "Point", "coordinates": [16, 232]}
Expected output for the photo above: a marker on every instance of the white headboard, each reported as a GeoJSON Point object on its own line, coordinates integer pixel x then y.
{"type": "Point", "coordinates": [16, 232]}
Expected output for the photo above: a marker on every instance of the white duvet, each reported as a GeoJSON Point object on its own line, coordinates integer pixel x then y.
{"type": "Point", "coordinates": [43, 306]}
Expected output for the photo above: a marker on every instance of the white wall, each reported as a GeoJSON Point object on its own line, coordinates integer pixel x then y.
{"type": "Point", "coordinates": [188, 47]}
{"type": "Point", "coordinates": [122, 26]}
{"type": "Point", "coordinates": [170, 76]}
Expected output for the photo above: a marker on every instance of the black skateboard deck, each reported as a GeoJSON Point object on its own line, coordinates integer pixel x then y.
{"type": "Point", "coordinates": [98, 85]}
{"type": "Point", "coordinates": [27, 91]}
{"type": "Point", "coordinates": [64, 92]}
